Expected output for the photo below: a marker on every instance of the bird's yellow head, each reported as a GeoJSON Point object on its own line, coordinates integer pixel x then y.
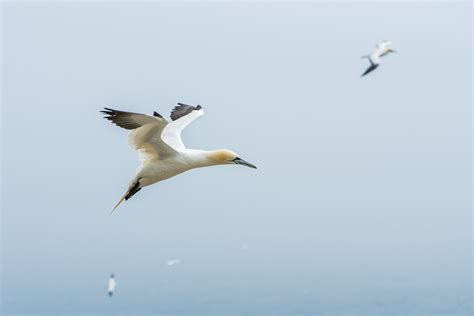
{"type": "Point", "coordinates": [225, 157]}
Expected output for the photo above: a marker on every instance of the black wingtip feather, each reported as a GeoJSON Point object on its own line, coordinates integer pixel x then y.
{"type": "Point", "coordinates": [183, 109]}
{"type": "Point", "coordinates": [119, 118]}
{"type": "Point", "coordinates": [370, 69]}
{"type": "Point", "coordinates": [109, 111]}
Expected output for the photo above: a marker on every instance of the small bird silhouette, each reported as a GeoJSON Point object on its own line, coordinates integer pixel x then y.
{"type": "Point", "coordinates": [111, 285]}
{"type": "Point", "coordinates": [382, 49]}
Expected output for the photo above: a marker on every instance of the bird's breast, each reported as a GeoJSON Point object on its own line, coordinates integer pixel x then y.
{"type": "Point", "coordinates": [158, 170]}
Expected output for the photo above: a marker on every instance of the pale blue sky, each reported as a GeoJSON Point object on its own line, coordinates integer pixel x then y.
{"type": "Point", "coordinates": [362, 200]}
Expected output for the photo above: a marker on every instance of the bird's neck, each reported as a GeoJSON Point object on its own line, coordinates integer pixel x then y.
{"type": "Point", "coordinates": [203, 158]}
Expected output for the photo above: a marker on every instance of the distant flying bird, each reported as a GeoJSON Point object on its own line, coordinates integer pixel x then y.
{"type": "Point", "coordinates": [111, 285]}
{"type": "Point", "coordinates": [160, 148]}
{"type": "Point", "coordinates": [382, 49]}
{"type": "Point", "coordinates": [173, 262]}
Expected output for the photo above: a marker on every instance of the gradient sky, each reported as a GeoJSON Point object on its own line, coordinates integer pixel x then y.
{"type": "Point", "coordinates": [362, 200]}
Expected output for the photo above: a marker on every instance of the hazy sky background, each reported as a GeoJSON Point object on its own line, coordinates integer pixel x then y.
{"type": "Point", "coordinates": [362, 200]}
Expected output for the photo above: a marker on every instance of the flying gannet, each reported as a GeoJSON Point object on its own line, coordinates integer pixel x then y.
{"type": "Point", "coordinates": [160, 148]}
{"type": "Point", "coordinates": [111, 285]}
{"type": "Point", "coordinates": [382, 49]}
{"type": "Point", "coordinates": [173, 262]}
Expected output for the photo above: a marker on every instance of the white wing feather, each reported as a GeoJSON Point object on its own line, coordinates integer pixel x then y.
{"type": "Point", "coordinates": [171, 134]}
{"type": "Point", "coordinates": [147, 142]}
{"type": "Point", "coordinates": [145, 131]}
{"type": "Point", "coordinates": [152, 136]}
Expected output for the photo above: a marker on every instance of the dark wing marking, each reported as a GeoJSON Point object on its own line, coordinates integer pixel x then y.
{"type": "Point", "coordinates": [370, 69]}
{"type": "Point", "coordinates": [128, 120]}
{"type": "Point", "coordinates": [183, 109]}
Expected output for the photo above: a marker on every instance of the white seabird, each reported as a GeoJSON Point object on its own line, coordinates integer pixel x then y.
{"type": "Point", "coordinates": [160, 148]}
{"type": "Point", "coordinates": [382, 49]}
{"type": "Point", "coordinates": [173, 262]}
{"type": "Point", "coordinates": [111, 285]}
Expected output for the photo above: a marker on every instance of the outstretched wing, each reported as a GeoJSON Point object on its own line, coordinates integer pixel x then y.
{"type": "Point", "coordinates": [130, 120]}
{"type": "Point", "coordinates": [370, 69]}
{"type": "Point", "coordinates": [182, 115]}
{"type": "Point", "coordinates": [145, 134]}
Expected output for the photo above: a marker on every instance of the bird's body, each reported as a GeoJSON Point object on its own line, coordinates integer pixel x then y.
{"type": "Point", "coordinates": [111, 284]}
{"type": "Point", "coordinates": [156, 170]}
{"type": "Point", "coordinates": [160, 148]}
{"type": "Point", "coordinates": [380, 50]}
{"type": "Point", "coordinates": [173, 262]}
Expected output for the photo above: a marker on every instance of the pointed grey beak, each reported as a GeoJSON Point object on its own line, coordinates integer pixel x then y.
{"type": "Point", "coordinates": [240, 161]}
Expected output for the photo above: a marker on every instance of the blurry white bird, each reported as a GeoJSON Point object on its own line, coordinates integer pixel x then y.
{"type": "Point", "coordinates": [173, 262]}
{"type": "Point", "coordinates": [382, 49]}
{"type": "Point", "coordinates": [111, 285]}
{"type": "Point", "coordinates": [160, 148]}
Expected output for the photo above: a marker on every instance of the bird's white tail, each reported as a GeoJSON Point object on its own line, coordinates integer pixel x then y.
{"type": "Point", "coordinates": [134, 188]}
{"type": "Point", "coordinates": [119, 202]}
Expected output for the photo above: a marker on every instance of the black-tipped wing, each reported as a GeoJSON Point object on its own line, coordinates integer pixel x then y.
{"type": "Point", "coordinates": [182, 115]}
{"type": "Point", "coordinates": [183, 109]}
{"type": "Point", "coordinates": [145, 134]}
{"type": "Point", "coordinates": [370, 69]}
{"type": "Point", "coordinates": [129, 120]}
